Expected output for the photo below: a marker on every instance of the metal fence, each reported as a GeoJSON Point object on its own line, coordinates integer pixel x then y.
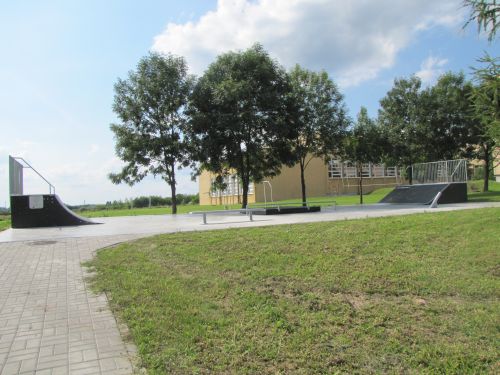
{"type": "Point", "coordinates": [440, 171]}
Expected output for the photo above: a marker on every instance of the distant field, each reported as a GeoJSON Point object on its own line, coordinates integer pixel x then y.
{"type": "Point", "coordinates": [493, 195]}
{"type": "Point", "coordinates": [474, 196]}
{"type": "Point", "coordinates": [414, 294]}
{"type": "Point", "coordinates": [341, 200]}
{"type": "Point", "coordinates": [4, 222]}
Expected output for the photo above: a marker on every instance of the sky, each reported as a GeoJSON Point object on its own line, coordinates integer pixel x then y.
{"type": "Point", "coordinates": [60, 60]}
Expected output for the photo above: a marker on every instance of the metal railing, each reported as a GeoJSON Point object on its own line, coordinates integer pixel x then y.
{"type": "Point", "coordinates": [307, 204]}
{"type": "Point", "coordinates": [52, 188]}
{"type": "Point", "coordinates": [246, 211]}
{"type": "Point", "coordinates": [440, 172]}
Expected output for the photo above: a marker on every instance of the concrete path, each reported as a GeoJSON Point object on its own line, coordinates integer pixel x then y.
{"type": "Point", "coordinates": [51, 323]}
{"type": "Point", "coordinates": [155, 224]}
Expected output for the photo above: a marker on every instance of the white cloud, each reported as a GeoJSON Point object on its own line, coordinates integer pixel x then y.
{"type": "Point", "coordinates": [353, 40]}
{"type": "Point", "coordinates": [430, 69]}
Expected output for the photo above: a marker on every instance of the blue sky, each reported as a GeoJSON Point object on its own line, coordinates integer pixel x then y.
{"type": "Point", "coordinates": [60, 60]}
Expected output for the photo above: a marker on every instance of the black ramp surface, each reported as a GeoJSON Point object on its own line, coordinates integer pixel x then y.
{"type": "Point", "coordinates": [425, 193]}
{"type": "Point", "coordinates": [287, 210]}
{"type": "Point", "coordinates": [53, 213]}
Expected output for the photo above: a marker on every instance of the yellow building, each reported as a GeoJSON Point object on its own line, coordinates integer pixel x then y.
{"type": "Point", "coordinates": [332, 178]}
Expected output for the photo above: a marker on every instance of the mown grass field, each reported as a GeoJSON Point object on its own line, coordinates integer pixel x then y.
{"type": "Point", "coordinates": [183, 209]}
{"type": "Point", "coordinates": [408, 294]}
{"type": "Point", "coordinates": [4, 222]}
{"type": "Point", "coordinates": [474, 196]}
{"type": "Point", "coordinates": [493, 195]}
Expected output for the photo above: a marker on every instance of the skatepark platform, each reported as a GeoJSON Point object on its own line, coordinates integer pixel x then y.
{"type": "Point", "coordinates": [286, 210]}
{"type": "Point", "coordinates": [46, 210]}
{"type": "Point", "coordinates": [455, 192]}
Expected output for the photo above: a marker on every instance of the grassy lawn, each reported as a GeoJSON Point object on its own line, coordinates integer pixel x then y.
{"type": "Point", "coordinates": [408, 294]}
{"type": "Point", "coordinates": [4, 222]}
{"type": "Point", "coordinates": [474, 196]}
{"type": "Point", "coordinates": [493, 195]}
{"type": "Point", "coordinates": [183, 209]}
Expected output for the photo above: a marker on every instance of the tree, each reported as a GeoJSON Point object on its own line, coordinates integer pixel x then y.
{"type": "Point", "coordinates": [150, 104]}
{"type": "Point", "coordinates": [486, 96]}
{"type": "Point", "coordinates": [447, 116]}
{"type": "Point", "coordinates": [320, 118]}
{"type": "Point", "coordinates": [363, 144]}
{"type": "Point", "coordinates": [485, 13]}
{"type": "Point", "coordinates": [240, 117]}
{"type": "Point", "coordinates": [486, 103]}
{"type": "Point", "coordinates": [400, 116]}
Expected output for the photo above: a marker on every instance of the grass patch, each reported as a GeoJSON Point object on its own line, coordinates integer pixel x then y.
{"type": "Point", "coordinates": [373, 197]}
{"type": "Point", "coordinates": [475, 194]}
{"type": "Point", "coordinates": [4, 222]}
{"type": "Point", "coordinates": [408, 294]}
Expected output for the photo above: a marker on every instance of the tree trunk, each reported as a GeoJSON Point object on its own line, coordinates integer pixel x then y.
{"type": "Point", "coordinates": [245, 182]}
{"type": "Point", "coordinates": [360, 169]}
{"type": "Point", "coordinates": [303, 183]}
{"type": "Point", "coordinates": [410, 174]}
{"type": "Point", "coordinates": [172, 189]}
{"type": "Point", "coordinates": [486, 159]}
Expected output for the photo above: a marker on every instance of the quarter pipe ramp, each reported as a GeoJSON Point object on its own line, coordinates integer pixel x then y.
{"type": "Point", "coordinates": [47, 210]}
{"type": "Point", "coordinates": [425, 193]}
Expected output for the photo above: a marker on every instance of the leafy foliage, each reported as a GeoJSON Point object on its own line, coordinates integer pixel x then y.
{"type": "Point", "coordinates": [240, 116]}
{"type": "Point", "coordinates": [400, 115]}
{"type": "Point", "coordinates": [364, 144]}
{"type": "Point", "coordinates": [320, 117]}
{"type": "Point", "coordinates": [150, 105]}
{"type": "Point", "coordinates": [447, 117]}
{"type": "Point", "coordinates": [485, 13]}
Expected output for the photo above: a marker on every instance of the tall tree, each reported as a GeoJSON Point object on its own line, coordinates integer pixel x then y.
{"type": "Point", "coordinates": [401, 117]}
{"type": "Point", "coordinates": [485, 13]}
{"type": "Point", "coordinates": [150, 105]}
{"type": "Point", "coordinates": [486, 102]}
{"type": "Point", "coordinates": [363, 144]}
{"type": "Point", "coordinates": [320, 118]}
{"type": "Point", "coordinates": [447, 116]}
{"type": "Point", "coordinates": [240, 116]}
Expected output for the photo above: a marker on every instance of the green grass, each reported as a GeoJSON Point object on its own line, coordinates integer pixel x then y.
{"type": "Point", "coordinates": [475, 194]}
{"type": "Point", "coordinates": [409, 294]}
{"type": "Point", "coordinates": [4, 222]}
{"type": "Point", "coordinates": [182, 209]}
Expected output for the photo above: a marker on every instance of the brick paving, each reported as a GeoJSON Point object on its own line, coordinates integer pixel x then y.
{"type": "Point", "coordinates": [50, 322]}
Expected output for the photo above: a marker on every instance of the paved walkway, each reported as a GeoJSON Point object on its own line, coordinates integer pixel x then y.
{"type": "Point", "coordinates": [155, 224]}
{"type": "Point", "coordinates": [51, 323]}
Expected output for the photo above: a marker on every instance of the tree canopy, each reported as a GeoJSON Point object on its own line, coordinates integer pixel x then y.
{"type": "Point", "coordinates": [240, 116]}
{"type": "Point", "coordinates": [150, 105]}
{"type": "Point", "coordinates": [400, 115]}
{"type": "Point", "coordinates": [320, 118]}
{"type": "Point", "coordinates": [485, 13]}
{"type": "Point", "coordinates": [447, 116]}
{"type": "Point", "coordinates": [363, 144]}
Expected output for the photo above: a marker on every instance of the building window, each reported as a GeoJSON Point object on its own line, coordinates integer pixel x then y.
{"type": "Point", "coordinates": [334, 169]}
{"type": "Point", "coordinates": [233, 187]}
{"type": "Point", "coordinates": [347, 169]}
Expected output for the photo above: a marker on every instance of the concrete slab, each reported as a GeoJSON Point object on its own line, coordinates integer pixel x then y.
{"type": "Point", "coordinates": [156, 224]}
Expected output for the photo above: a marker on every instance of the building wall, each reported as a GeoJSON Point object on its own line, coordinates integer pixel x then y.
{"type": "Point", "coordinates": [287, 185]}
{"type": "Point", "coordinates": [496, 171]}
{"type": "Point", "coordinates": [205, 181]}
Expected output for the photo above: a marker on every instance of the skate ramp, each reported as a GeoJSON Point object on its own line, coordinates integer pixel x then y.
{"type": "Point", "coordinates": [47, 210]}
{"type": "Point", "coordinates": [425, 193]}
